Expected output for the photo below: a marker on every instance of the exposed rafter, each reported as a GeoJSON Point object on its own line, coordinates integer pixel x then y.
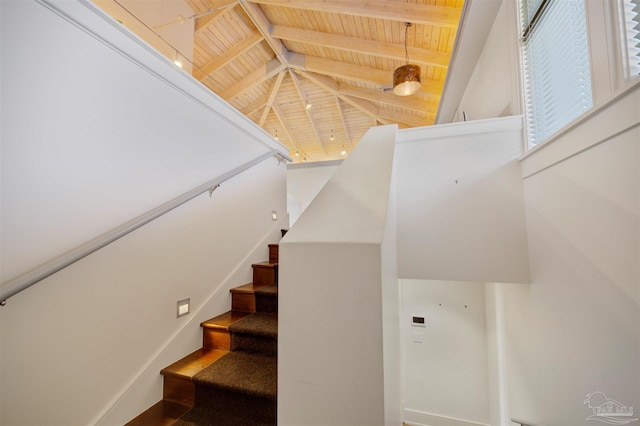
{"type": "Point", "coordinates": [341, 53]}
{"type": "Point", "coordinates": [359, 45]}
{"type": "Point", "coordinates": [345, 127]}
{"type": "Point", "coordinates": [388, 98]}
{"type": "Point", "coordinates": [285, 125]}
{"type": "Point", "coordinates": [208, 17]}
{"type": "Point", "coordinates": [304, 99]}
{"type": "Point", "coordinates": [258, 76]}
{"type": "Point", "coordinates": [272, 96]}
{"type": "Point", "coordinates": [378, 9]}
{"type": "Point", "coordinates": [229, 55]}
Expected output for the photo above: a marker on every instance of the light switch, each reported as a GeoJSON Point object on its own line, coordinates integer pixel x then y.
{"type": "Point", "coordinates": [416, 337]}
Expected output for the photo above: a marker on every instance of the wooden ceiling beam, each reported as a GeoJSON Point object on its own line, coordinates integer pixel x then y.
{"type": "Point", "coordinates": [263, 26]}
{"type": "Point", "coordinates": [378, 9]}
{"type": "Point", "coordinates": [272, 96]}
{"type": "Point", "coordinates": [254, 106]}
{"type": "Point", "coordinates": [410, 120]}
{"type": "Point", "coordinates": [388, 98]}
{"type": "Point", "coordinates": [358, 73]}
{"type": "Point", "coordinates": [205, 18]}
{"type": "Point", "coordinates": [303, 99]}
{"type": "Point", "coordinates": [229, 55]}
{"type": "Point", "coordinates": [345, 128]}
{"type": "Point", "coordinates": [362, 46]}
{"type": "Point", "coordinates": [260, 75]}
{"type": "Point", "coordinates": [283, 122]}
{"type": "Point", "coordinates": [329, 85]}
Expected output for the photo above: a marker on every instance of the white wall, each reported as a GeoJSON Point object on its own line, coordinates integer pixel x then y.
{"type": "Point", "coordinates": [576, 328]}
{"type": "Point", "coordinates": [112, 131]}
{"type": "Point", "coordinates": [445, 363]}
{"type": "Point", "coordinates": [334, 321]}
{"type": "Point", "coordinates": [95, 139]}
{"type": "Point", "coordinates": [304, 181]}
{"type": "Point", "coordinates": [460, 202]}
{"type": "Point", "coordinates": [581, 316]}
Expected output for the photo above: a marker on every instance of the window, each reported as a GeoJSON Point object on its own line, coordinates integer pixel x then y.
{"type": "Point", "coordinates": [630, 25]}
{"type": "Point", "coordinates": [555, 53]}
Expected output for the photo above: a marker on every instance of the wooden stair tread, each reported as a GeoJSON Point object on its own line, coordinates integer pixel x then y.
{"type": "Point", "coordinates": [248, 288]}
{"type": "Point", "coordinates": [163, 413]}
{"type": "Point", "coordinates": [264, 265]}
{"type": "Point", "coordinates": [224, 320]}
{"type": "Point", "coordinates": [193, 363]}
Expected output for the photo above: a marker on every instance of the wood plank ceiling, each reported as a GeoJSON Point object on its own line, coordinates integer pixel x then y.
{"type": "Point", "coordinates": [270, 58]}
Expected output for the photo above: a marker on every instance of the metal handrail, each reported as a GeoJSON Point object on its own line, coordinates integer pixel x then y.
{"type": "Point", "coordinates": [26, 280]}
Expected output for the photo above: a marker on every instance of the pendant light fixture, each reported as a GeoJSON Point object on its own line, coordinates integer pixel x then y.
{"type": "Point", "coordinates": [406, 79]}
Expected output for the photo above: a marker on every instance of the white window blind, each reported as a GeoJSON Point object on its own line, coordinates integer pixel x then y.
{"type": "Point", "coordinates": [556, 65]}
{"type": "Point", "coordinates": [631, 37]}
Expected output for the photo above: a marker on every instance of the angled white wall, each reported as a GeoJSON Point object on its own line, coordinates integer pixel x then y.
{"type": "Point", "coordinates": [338, 348]}
{"type": "Point", "coordinates": [460, 202]}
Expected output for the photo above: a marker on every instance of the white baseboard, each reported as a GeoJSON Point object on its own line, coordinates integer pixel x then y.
{"type": "Point", "coordinates": [419, 418]}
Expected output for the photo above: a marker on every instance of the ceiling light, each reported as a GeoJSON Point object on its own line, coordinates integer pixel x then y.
{"type": "Point", "coordinates": [297, 153]}
{"type": "Point", "coordinates": [344, 151]}
{"type": "Point", "coordinates": [305, 158]}
{"type": "Point", "coordinates": [276, 136]}
{"type": "Point", "coordinates": [307, 104]}
{"type": "Point", "coordinates": [332, 138]}
{"type": "Point", "coordinates": [406, 79]}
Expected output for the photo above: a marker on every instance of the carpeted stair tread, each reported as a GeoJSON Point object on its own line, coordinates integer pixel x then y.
{"type": "Point", "coordinates": [243, 373]}
{"type": "Point", "coordinates": [260, 324]}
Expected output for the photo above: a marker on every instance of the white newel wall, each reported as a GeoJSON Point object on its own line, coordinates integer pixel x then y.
{"type": "Point", "coordinates": [338, 348]}
{"type": "Point", "coordinates": [304, 181]}
{"type": "Point", "coordinates": [106, 131]}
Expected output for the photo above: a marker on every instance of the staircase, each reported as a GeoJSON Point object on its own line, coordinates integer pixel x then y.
{"type": "Point", "coordinates": [232, 379]}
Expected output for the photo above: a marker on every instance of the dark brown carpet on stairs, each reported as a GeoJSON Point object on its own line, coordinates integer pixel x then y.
{"type": "Point", "coordinates": [267, 299]}
{"type": "Point", "coordinates": [240, 388]}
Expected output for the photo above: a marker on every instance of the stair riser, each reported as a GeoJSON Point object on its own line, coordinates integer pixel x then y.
{"type": "Point", "coordinates": [273, 253]}
{"type": "Point", "coordinates": [178, 389]}
{"type": "Point", "coordinates": [266, 303]}
{"type": "Point", "coordinates": [216, 339]}
{"type": "Point", "coordinates": [243, 302]}
{"type": "Point", "coordinates": [254, 344]}
{"type": "Point", "coordinates": [265, 275]}
{"type": "Point", "coordinates": [229, 408]}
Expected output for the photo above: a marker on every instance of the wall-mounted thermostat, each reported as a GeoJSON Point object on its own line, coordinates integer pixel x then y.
{"type": "Point", "coordinates": [417, 321]}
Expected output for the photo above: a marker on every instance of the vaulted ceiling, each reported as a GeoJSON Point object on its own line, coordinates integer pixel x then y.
{"type": "Point", "coordinates": [271, 59]}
